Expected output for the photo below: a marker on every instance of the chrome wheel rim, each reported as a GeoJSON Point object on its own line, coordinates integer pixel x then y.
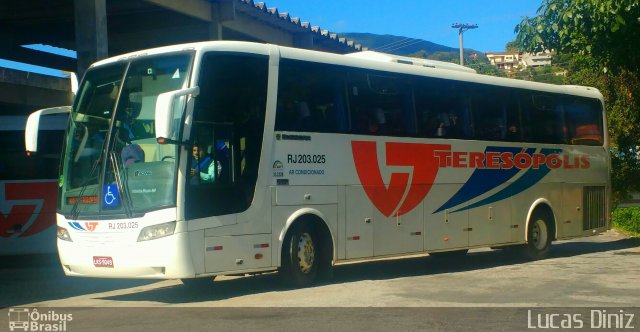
{"type": "Point", "coordinates": [539, 234]}
{"type": "Point", "coordinates": [306, 253]}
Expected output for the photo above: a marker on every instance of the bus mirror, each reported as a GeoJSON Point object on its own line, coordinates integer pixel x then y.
{"type": "Point", "coordinates": [33, 124]}
{"type": "Point", "coordinates": [165, 112]}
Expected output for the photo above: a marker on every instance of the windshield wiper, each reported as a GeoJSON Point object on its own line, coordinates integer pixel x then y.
{"type": "Point", "coordinates": [121, 183]}
{"type": "Point", "coordinates": [74, 210]}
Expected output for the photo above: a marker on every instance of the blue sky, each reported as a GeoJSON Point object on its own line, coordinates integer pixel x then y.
{"type": "Point", "coordinates": [39, 69]}
{"type": "Point", "coordinates": [427, 19]}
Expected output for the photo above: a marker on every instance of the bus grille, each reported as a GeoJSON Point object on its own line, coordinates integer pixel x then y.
{"type": "Point", "coordinates": [99, 238]}
{"type": "Point", "coordinates": [594, 212]}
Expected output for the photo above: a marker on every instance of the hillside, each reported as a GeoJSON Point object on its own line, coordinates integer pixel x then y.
{"type": "Point", "coordinates": [409, 46]}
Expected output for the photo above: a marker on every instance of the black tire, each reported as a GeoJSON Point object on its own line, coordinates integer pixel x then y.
{"type": "Point", "coordinates": [449, 255]}
{"type": "Point", "coordinates": [302, 256]}
{"type": "Point", "coordinates": [539, 237]}
{"type": "Point", "coordinates": [198, 283]}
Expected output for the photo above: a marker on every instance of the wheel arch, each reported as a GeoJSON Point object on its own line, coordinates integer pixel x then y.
{"type": "Point", "coordinates": [542, 204]}
{"type": "Point", "coordinates": [317, 220]}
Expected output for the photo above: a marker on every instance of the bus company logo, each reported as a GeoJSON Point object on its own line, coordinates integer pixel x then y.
{"type": "Point", "coordinates": [389, 199]}
{"type": "Point", "coordinates": [26, 208]}
{"type": "Point", "coordinates": [492, 168]}
{"type": "Point", "coordinates": [88, 226]}
{"type": "Point", "coordinates": [142, 173]}
{"type": "Point", "coordinates": [91, 226]}
{"type": "Point", "coordinates": [25, 319]}
{"type": "Point", "coordinates": [494, 158]}
{"type": "Point", "coordinates": [278, 169]}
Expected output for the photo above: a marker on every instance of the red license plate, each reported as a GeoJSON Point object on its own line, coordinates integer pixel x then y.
{"type": "Point", "coordinates": [102, 261]}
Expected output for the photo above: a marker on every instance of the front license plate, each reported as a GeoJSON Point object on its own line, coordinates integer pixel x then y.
{"type": "Point", "coordinates": [102, 261]}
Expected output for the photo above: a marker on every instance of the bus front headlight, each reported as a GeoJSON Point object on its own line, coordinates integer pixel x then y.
{"type": "Point", "coordinates": [63, 234]}
{"type": "Point", "coordinates": [157, 231]}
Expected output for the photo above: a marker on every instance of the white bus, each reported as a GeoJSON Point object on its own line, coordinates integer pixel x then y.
{"type": "Point", "coordinates": [224, 157]}
{"type": "Point", "coordinates": [28, 186]}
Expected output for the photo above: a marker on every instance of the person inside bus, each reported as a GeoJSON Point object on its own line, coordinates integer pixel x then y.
{"type": "Point", "coordinates": [377, 122]}
{"type": "Point", "coordinates": [132, 154]}
{"type": "Point", "coordinates": [303, 121]}
{"type": "Point", "coordinates": [455, 129]}
{"type": "Point", "coordinates": [513, 133]}
{"type": "Point", "coordinates": [285, 111]}
{"type": "Point", "coordinates": [202, 165]}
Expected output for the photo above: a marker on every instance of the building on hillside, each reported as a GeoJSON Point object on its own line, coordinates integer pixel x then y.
{"type": "Point", "coordinates": [511, 61]}
{"type": "Point", "coordinates": [504, 60]}
{"type": "Point", "coordinates": [535, 60]}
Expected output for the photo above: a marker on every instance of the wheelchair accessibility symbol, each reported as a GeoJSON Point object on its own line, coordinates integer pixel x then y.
{"type": "Point", "coordinates": [110, 197]}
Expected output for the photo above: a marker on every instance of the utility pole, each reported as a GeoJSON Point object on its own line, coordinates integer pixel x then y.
{"type": "Point", "coordinates": [461, 29]}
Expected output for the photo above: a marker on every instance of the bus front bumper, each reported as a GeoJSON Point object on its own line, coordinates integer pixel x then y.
{"type": "Point", "coordinates": [163, 258]}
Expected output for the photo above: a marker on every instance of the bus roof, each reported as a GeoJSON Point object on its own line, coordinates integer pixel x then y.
{"type": "Point", "coordinates": [385, 57]}
{"type": "Point", "coordinates": [367, 60]}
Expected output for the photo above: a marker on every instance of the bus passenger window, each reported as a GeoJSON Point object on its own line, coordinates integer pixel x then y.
{"type": "Point", "coordinates": [229, 117]}
{"type": "Point", "coordinates": [584, 121]}
{"type": "Point", "coordinates": [310, 98]}
{"type": "Point", "coordinates": [489, 113]}
{"type": "Point", "coordinates": [542, 118]}
{"type": "Point", "coordinates": [441, 108]}
{"type": "Point", "coordinates": [380, 104]}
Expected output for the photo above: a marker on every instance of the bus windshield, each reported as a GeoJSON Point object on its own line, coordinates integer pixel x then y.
{"type": "Point", "coordinates": [112, 162]}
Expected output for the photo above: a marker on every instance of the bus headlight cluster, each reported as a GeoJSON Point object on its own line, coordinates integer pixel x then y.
{"type": "Point", "coordinates": [157, 231]}
{"type": "Point", "coordinates": [63, 234]}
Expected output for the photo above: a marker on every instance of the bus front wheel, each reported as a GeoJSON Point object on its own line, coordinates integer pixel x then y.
{"type": "Point", "coordinates": [538, 237]}
{"type": "Point", "coordinates": [301, 256]}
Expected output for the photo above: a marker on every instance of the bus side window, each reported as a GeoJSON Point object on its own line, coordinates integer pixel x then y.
{"type": "Point", "coordinates": [513, 130]}
{"type": "Point", "coordinates": [442, 110]}
{"type": "Point", "coordinates": [489, 113]}
{"type": "Point", "coordinates": [310, 98]}
{"type": "Point", "coordinates": [380, 104]}
{"type": "Point", "coordinates": [231, 109]}
{"type": "Point", "coordinates": [584, 121]}
{"type": "Point", "coordinates": [544, 119]}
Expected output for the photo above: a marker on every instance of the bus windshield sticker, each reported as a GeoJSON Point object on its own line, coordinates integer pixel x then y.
{"type": "Point", "coordinates": [110, 196]}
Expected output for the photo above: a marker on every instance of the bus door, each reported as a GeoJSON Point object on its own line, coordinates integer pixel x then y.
{"type": "Point", "coordinates": [211, 173]}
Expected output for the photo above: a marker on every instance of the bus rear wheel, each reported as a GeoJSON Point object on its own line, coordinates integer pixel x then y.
{"type": "Point", "coordinates": [538, 237]}
{"type": "Point", "coordinates": [301, 256]}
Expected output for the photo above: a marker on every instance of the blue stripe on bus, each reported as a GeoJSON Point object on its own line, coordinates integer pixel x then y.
{"type": "Point", "coordinates": [526, 181]}
{"type": "Point", "coordinates": [483, 180]}
{"type": "Point", "coordinates": [76, 226]}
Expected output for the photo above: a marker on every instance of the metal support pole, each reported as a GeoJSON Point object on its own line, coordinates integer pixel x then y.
{"type": "Point", "coordinates": [461, 29]}
{"type": "Point", "coordinates": [461, 48]}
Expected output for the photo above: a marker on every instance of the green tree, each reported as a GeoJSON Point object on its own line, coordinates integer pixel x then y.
{"type": "Point", "coordinates": [420, 54]}
{"type": "Point", "coordinates": [513, 47]}
{"type": "Point", "coordinates": [607, 30]}
{"type": "Point", "coordinates": [598, 40]}
{"type": "Point", "coordinates": [544, 74]}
